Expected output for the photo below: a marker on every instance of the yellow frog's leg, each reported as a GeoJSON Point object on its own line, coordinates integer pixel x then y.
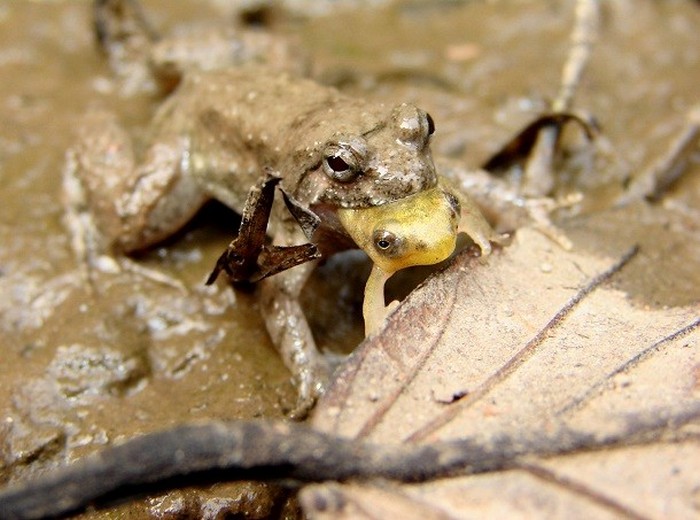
{"type": "Point", "coordinates": [472, 221]}
{"type": "Point", "coordinates": [374, 309]}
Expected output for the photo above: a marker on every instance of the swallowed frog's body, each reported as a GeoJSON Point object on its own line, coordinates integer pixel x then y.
{"type": "Point", "coordinates": [222, 132]}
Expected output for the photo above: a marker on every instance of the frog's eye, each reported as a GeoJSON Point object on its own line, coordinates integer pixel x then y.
{"type": "Point", "coordinates": [431, 124]}
{"type": "Point", "coordinates": [387, 243]}
{"type": "Point", "coordinates": [414, 125]}
{"type": "Point", "coordinates": [338, 168]}
{"type": "Point", "coordinates": [343, 161]}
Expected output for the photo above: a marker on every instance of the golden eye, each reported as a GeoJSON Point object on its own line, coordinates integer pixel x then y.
{"type": "Point", "coordinates": [384, 243]}
{"type": "Point", "coordinates": [344, 161]}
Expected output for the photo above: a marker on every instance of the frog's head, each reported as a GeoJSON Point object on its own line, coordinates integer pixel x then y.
{"type": "Point", "coordinates": [420, 229]}
{"type": "Point", "coordinates": [366, 157]}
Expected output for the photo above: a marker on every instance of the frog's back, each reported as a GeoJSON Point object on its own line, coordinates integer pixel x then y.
{"type": "Point", "coordinates": [240, 121]}
{"type": "Point", "coordinates": [262, 104]}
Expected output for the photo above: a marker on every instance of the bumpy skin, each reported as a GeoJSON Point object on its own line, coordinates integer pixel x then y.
{"type": "Point", "coordinates": [219, 134]}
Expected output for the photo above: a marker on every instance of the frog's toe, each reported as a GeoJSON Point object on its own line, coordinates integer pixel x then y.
{"type": "Point", "coordinates": [502, 239]}
{"type": "Point", "coordinates": [311, 385]}
{"type": "Point", "coordinates": [540, 211]}
{"type": "Point", "coordinates": [485, 246]}
{"type": "Point", "coordinates": [393, 305]}
{"type": "Point", "coordinates": [303, 408]}
{"type": "Point", "coordinates": [555, 234]}
{"type": "Point", "coordinates": [306, 401]}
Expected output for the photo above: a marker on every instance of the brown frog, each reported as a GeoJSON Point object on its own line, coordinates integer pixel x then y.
{"type": "Point", "coordinates": [353, 173]}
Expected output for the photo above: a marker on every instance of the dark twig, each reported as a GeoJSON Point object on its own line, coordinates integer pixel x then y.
{"type": "Point", "coordinates": [273, 451]}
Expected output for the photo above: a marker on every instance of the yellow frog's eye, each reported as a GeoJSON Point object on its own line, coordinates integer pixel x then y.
{"type": "Point", "coordinates": [344, 161]}
{"type": "Point", "coordinates": [387, 243]}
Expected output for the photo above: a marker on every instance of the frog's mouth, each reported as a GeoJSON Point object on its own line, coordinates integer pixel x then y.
{"type": "Point", "coordinates": [419, 229]}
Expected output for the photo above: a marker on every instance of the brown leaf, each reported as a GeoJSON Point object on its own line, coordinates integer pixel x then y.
{"type": "Point", "coordinates": [519, 147]}
{"type": "Point", "coordinates": [531, 340]}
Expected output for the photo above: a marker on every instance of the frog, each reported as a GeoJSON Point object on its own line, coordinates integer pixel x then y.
{"type": "Point", "coordinates": [351, 173]}
{"type": "Point", "coordinates": [312, 171]}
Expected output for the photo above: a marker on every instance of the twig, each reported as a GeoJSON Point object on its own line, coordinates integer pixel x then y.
{"type": "Point", "coordinates": [275, 451]}
{"type": "Point", "coordinates": [655, 180]}
{"type": "Point", "coordinates": [539, 176]}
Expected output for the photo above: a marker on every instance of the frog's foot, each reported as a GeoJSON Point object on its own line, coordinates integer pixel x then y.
{"type": "Point", "coordinates": [86, 240]}
{"type": "Point", "coordinates": [473, 223]}
{"type": "Point", "coordinates": [540, 209]}
{"type": "Point", "coordinates": [312, 383]}
{"type": "Point", "coordinates": [89, 244]}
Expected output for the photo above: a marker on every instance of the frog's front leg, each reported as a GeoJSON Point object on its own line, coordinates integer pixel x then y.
{"type": "Point", "coordinates": [290, 332]}
{"type": "Point", "coordinates": [249, 258]}
{"type": "Point", "coordinates": [473, 223]}
{"type": "Point", "coordinates": [374, 309]}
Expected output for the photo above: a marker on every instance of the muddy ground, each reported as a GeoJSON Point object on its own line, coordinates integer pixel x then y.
{"type": "Point", "coordinates": [83, 366]}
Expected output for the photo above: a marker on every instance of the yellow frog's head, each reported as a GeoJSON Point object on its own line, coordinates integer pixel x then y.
{"type": "Point", "coordinates": [420, 229]}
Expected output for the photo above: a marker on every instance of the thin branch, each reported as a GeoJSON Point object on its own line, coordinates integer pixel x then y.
{"type": "Point", "coordinates": [583, 37]}
{"type": "Point", "coordinates": [293, 452]}
{"type": "Point", "coordinates": [539, 176]}
{"type": "Point", "coordinates": [595, 389]}
{"type": "Point", "coordinates": [580, 488]}
{"type": "Point", "coordinates": [653, 182]}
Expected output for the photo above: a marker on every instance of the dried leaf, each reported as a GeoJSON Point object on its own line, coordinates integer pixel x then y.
{"type": "Point", "coordinates": [519, 147]}
{"type": "Point", "coordinates": [533, 340]}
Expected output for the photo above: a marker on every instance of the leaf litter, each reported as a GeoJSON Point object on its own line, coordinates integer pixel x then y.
{"type": "Point", "coordinates": [478, 353]}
